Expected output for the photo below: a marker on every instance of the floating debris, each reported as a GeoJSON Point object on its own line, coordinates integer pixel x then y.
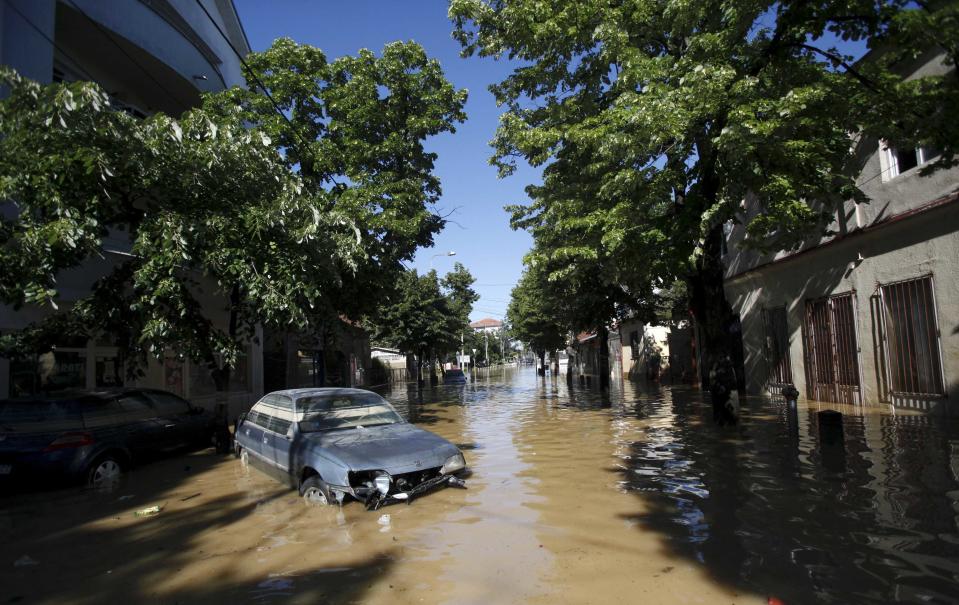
{"type": "Point", "coordinates": [149, 511]}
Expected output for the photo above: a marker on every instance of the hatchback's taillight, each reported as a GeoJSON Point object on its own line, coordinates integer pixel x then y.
{"type": "Point", "coordinates": [69, 440]}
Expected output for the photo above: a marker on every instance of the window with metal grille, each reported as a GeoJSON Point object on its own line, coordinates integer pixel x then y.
{"type": "Point", "coordinates": [832, 350]}
{"type": "Point", "coordinates": [911, 337]}
{"type": "Point", "coordinates": [777, 346]}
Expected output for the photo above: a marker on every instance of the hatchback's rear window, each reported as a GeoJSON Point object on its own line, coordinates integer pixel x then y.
{"type": "Point", "coordinates": [31, 416]}
{"type": "Point", "coordinates": [342, 411]}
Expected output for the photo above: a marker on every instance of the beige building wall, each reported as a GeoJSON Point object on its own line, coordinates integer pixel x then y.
{"type": "Point", "coordinates": [908, 230]}
{"type": "Point", "coordinates": [916, 245]}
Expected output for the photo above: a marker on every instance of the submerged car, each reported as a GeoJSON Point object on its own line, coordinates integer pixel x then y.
{"type": "Point", "coordinates": [454, 376]}
{"type": "Point", "coordinates": [92, 437]}
{"type": "Point", "coordinates": [334, 443]}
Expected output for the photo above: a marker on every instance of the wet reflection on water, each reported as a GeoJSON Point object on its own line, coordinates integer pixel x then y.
{"type": "Point", "coordinates": [575, 497]}
{"type": "Point", "coordinates": [792, 505]}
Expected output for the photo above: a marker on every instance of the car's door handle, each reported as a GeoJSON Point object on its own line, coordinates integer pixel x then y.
{"type": "Point", "coordinates": [169, 426]}
{"type": "Point", "coordinates": [247, 431]}
{"type": "Point", "coordinates": [265, 440]}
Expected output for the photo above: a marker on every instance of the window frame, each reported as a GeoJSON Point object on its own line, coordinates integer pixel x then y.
{"type": "Point", "coordinates": [936, 350]}
{"type": "Point", "coordinates": [889, 163]}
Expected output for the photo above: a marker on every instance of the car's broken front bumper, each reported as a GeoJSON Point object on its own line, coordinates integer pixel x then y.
{"type": "Point", "coordinates": [375, 499]}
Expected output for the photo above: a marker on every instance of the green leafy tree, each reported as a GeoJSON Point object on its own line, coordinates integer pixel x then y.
{"type": "Point", "coordinates": [354, 129]}
{"type": "Point", "coordinates": [158, 211]}
{"type": "Point", "coordinates": [426, 316]}
{"type": "Point", "coordinates": [533, 314]}
{"type": "Point", "coordinates": [655, 119]}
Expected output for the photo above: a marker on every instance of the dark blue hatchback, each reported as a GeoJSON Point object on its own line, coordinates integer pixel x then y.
{"type": "Point", "coordinates": [93, 437]}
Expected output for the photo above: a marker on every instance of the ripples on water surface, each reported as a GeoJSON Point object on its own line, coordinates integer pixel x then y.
{"type": "Point", "coordinates": [575, 498]}
{"type": "Point", "coordinates": [778, 505]}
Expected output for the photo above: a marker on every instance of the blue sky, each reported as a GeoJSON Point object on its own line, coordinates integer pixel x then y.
{"type": "Point", "coordinates": [479, 230]}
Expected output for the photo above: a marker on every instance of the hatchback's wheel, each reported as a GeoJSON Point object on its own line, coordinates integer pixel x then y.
{"type": "Point", "coordinates": [104, 473]}
{"type": "Point", "coordinates": [315, 492]}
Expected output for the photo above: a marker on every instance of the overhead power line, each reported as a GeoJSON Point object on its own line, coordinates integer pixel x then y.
{"type": "Point", "coordinates": [246, 66]}
{"type": "Point", "coordinates": [296, 135]}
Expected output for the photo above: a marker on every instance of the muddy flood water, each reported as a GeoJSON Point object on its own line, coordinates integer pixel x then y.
{"type": "Point", "coordinates": [574, 498]}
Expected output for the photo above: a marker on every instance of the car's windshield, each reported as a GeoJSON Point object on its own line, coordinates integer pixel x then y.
{"type": "Point", "coordinates": [344, 411]}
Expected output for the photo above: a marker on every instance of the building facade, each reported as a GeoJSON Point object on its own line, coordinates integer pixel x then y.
{"type": "Point", "coordinates": [869, 315]}
{"type": "Point", "coordinates": [658, 354]}
{"type": "Point", "coordinates": [487, 324]}
{"type": "Point", "coordinates": [149, 56]}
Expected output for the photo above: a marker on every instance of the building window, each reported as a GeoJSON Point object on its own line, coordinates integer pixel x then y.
{"type": "Point", "coordinates": [777, 347]}
{"type": "Point", "coordinates": [202, 383]}
{"type": "Point", "coordinates": [309, 368]}
{"type": "Point", "coordinates": [634, 344]}
{"type": "Point", "coordinates": [911, 338]}
{"type": "Point", "coordinates": [896, 161]}
{"type": "Point", "coordinates": [109, 371]}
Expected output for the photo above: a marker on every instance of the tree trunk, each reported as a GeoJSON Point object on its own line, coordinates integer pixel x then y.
{"type": "Point", "coordinates": [603, 357]}
{"type": "Point", "coordinates": [411, 366]}
{"type": "Point", "coordinates": [541, 369]}
{"type": "Point", "coordinates": [433, 379]}
{"type": "Point", "coordinates": [419, 368]}
{"type": "Point", "coordinates": [714, 316]}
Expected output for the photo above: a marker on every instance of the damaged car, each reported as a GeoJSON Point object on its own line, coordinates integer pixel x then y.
{"type": "Point", "coordinates": [337, 443]}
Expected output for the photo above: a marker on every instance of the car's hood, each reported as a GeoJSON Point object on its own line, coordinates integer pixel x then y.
{"type": "Point", "coordinates": [394, 448]}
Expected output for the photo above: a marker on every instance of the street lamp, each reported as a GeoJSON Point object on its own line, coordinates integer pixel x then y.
{"type": "Point", "coordinates": [432, 258]}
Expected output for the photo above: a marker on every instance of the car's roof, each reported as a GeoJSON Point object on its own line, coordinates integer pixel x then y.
{"type": "Point", "coordinates": [75, 394]}
{"type": "Point", "coordinates": [314, 391]}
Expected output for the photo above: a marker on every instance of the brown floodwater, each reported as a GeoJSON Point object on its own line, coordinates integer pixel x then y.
{"type": "Point", "coordinates": [575, 498]}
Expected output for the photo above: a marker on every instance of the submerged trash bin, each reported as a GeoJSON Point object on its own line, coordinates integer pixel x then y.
{"type": "Point", "coordinates": [832, 445]}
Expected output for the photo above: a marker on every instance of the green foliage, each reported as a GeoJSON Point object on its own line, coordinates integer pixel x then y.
{"type": "Point", "coordinates": [165, 212]}
{"type": "Point", "coordinates": [199, 228]}
{"type": "Point", "coordinates": [533, 313]}
{"type": "Point", "coordinates": [355, 132]}
{"type": "Point", "coordinates": [425, 315]}
{"type": "Point", "coordinates": [654, 119]}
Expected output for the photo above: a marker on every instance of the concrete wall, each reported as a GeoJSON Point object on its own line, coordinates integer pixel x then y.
{"type": "Point", "coordinates": [926, 243]}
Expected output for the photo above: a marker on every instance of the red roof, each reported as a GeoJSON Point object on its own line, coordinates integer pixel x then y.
{"type": "Point", "coordinates": [487, 322]}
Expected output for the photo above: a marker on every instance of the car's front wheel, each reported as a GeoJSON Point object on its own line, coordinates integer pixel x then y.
{"type": "Point", "coordinates": [315, 492]}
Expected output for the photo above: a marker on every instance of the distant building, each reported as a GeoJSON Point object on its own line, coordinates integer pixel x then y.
{"type": "Point", "coordinates": [870, 314]}
{"type": "Point", "coordinates": [392, 358]}
{"type": "Point", "coordinates": [657, 353]}
{"type": "Point", "coordinates": [487, 324]}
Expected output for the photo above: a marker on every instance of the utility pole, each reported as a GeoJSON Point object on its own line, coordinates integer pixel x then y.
{"type": "Point", "coordinates": [486, 343]}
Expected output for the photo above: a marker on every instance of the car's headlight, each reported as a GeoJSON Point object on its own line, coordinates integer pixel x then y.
{"type": "Point", "coordinates": [454, 463]}
{"type": "Point", "coordinates": [382, 482]}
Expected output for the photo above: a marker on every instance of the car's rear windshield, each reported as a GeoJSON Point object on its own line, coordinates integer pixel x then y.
{"type": "Point", "coordinates": [344, 411]}
{"type": "Point", "coordinates": [38, 415]}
